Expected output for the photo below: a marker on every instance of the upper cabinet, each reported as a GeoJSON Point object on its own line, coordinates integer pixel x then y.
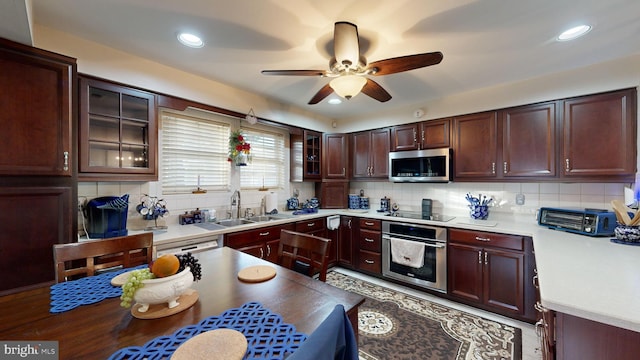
{"type": "Point", "coordinates": [528, 145]}
{"type": "Point", "coordinates": [405, 137]}
{"type": "Point", "coordinates": [435, 134]}
{"type": "Point", "coordinates": [118, 132]}
{"type": "Point", "coordinates": [38, 107]}
{"type": "Point", "coordinates": [599, 136]}
{"type": "Point", "coordinates": [306, 154]}
{"type": "Point", "coordinates": [425, 135]}
{"type": "Point", "coordinates": [475, 146]}
{"type": "Point", "coordinates": [335, 156]}
{"type": "Point", "coordinates": [371, 154]}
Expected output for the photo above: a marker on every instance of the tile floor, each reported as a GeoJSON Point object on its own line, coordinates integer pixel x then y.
{"type": "Point", "coordinates": [530, 342]}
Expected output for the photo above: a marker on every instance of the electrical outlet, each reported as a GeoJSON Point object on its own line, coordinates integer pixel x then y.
{"type": "Point", "coordinates": [520, 199]}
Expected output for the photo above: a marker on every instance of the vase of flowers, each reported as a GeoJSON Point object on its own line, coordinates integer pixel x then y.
{"type": "Point", "coordinates": [239, 149]}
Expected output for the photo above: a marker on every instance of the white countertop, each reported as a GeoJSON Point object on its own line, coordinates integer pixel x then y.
{"type": "Point", "coordinates": [589, 277]}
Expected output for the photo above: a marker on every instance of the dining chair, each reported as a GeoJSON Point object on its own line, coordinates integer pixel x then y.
{"type": "Point", "coordinates": [304, 253]}
{"type": "Point", "coordinates": [85, 258]}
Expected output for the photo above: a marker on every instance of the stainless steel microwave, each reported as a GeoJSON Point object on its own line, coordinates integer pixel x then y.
{"type": "Point", "coordinates": [431, 165]}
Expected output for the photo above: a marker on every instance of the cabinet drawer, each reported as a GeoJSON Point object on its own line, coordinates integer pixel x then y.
{"type": "Point", "coordinates": [310, 225]}
{"type": "Point", "coordinates": [370, 224]}
{"type": "Point", "coordinates": [243, 238]}
{"type": "Point", "coordinates": [370, 240]}
{"type": "Point", "coordinates": [370, 261]}
{"type": "Point", "coordinates": [512, 242]}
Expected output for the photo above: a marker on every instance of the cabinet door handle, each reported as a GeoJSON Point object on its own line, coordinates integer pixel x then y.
{"type": "Point", "coordinates": [261, 253]}
{"type": "Point", "coordinates": [311, 224]}
{"type": "Point", "coordinates": [504, 167]}
{"type": "Point", "coordinates": [535, 281]}
{"type": "Point", "coordinates": [486, 260]}
{"type": "Point", "coordinates": [349, 223]}
{"type": "Point", "coordinates": [414, 137]}
{"type": "Point", "coordinates": [268, 250]}
{"type": "Point", "coordinates": [479, 256]}
{"type": "Point", "coordinates": [422, 136]}
{"type": "Point", "coordinates": [370, 261]}
{"type": "Point", "coordinates": [368, 240]}
{"type": "Point", "coordinates": [482, 239]}
{"type": "Point", "coordinates": [264, 233]}
{"type": "Point", "coordinates": [343, 172]}
{"type": "Point", "coordinates": [566, 165]}
{"type": "Point", "coordinates": [493, 167]}
{"type": "Point", "coordinates": [65, 156]}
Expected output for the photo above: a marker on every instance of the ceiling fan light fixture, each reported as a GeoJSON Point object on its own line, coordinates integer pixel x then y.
{"type": "Point", "coordinates": [348, 86]}
{"type": "Point", "coordinates": [190, 40]}
{"type": "Point", "coordinates": [574, 32]}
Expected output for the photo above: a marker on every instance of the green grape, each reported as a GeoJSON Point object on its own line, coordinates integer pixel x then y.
{"type": "Point", "coordinates": [133, 283]}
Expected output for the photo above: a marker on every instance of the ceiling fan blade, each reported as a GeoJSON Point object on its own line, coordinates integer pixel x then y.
{"type": "Point", "coordinates": [295, 72]}
{"type": "Point", "coordinates": [321, 94]}
{"type": "Point", "coordinates": [376, 91]}
{"type": "Point", "coordinates": [404, 63]}
{"type": "Point", "coordinates": [346, 47]}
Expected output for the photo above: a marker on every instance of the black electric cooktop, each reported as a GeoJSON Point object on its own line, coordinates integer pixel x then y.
{"type": "Point", "coordinates": [418, 215]}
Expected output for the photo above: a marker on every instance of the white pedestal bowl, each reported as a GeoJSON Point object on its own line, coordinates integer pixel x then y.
{"type": "Point", "coordinates": [163, 290]}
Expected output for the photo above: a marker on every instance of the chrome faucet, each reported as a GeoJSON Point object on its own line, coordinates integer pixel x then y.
{"type": "Point", "coordinates": [235, 201]}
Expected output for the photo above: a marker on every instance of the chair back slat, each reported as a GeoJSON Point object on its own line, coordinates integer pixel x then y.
{"type": "Point", "coordinates": [304, 252]}
{"type": "Point", "coordinates": [85, 258]}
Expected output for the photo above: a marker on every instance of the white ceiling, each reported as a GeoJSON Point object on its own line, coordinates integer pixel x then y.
{"type": "Point", "coordinates": [484, 42]}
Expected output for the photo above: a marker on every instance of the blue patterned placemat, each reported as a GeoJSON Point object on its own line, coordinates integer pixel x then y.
{"type": "Point", "coordinates": [268, 337]}
{"type": "Point", "coordinates": [88, 290]}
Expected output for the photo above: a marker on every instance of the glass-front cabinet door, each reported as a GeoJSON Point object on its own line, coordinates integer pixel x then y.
{"type": "Point", "coordinates": [118, 132]}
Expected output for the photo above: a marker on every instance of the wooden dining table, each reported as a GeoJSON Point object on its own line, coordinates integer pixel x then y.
{"type": "Point", "coordinates": [98, 330]}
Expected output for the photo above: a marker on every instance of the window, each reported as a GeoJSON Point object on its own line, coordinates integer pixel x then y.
{"type": "Point", "coordinates": [267, 166]}
{"type": "Point", "coordinates": [194, 153]}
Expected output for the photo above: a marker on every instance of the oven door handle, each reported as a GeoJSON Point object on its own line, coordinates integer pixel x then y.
{"type": "Point", "coordinates": [437, 245]}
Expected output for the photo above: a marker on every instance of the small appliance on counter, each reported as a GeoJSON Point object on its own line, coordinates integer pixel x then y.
{"type": "Point", "coordinates": [385, 205]}
{"type": "Point", "coordinates": [591, 222]}
{"type": "Point", "coordinates": [107, 216]}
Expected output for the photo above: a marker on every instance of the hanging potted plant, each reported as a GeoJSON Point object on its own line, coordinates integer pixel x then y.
{"type": "Point", "coordinates": [239, 149]}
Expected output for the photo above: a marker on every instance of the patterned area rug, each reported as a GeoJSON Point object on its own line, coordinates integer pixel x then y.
{"type": "Point", "coordinates": [394, 325]}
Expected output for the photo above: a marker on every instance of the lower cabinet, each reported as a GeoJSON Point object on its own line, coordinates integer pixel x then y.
{"type": "Point", "coordinates": [581, 339]}
{"type": "Point", "coordinates": [262, 243]}
{"type": "Point", "coordinates": [370, 245]}
{"type": "Point", "coordinates": [492, 271]}
{"type": "Point", "coordinates": [318, 227]}
{"type": "Point", "coordinates": [345, 241]}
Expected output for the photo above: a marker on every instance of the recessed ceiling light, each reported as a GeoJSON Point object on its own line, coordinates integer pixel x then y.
{"type": "Point", "coordinates": [190, 40]}
{"type": "Point", "coordinates": [335, 101]}
{"type": "Point", "coordinates": [574, 32]}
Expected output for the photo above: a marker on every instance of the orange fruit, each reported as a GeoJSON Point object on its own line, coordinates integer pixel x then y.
{"type": "Point", "coordinates": [165, 265]}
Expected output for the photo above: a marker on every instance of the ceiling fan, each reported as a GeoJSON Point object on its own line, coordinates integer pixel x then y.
{"type": "Point", "coordinates": [349, 69]}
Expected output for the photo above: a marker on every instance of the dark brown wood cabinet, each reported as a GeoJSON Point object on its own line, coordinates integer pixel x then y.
{"type": "Point", "coordinates": [38, 171]}
{"type": "Point", "coordinates": [262, 243]}
{"type": "Point", "coordinates": [491, 270]}
{"type": "Point", "coordinates": [333, 194]}
{"type": "Point", "coordinates": [318, 227]}
{"type": "Point", "coordinates": [370, 245]}
{"type": "Point", "coordinates": [345, 243]}
{"type": "Point", "coordinates": [371, 154]}
{"type": "Point", "coordinates": [475, 139]}
{"type": "Point", "coordinates": [599, 136]}
{"type": "Point", "coordinates": [435, 134]}
{"type": "Point", "coordinates": [335, 156]}
{"type": "Point", "coordinates": [118, 132]}
{"type": "Point", "coordinates": [528, 145]}
{"type": "Point", "coordinates": [405, 137]}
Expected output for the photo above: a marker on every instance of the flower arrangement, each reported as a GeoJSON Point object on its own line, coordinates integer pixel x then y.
{"type": "Point", "coordinates": [239, 149]}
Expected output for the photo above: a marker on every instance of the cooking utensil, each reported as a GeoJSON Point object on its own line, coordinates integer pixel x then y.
{"type": "Point", "coordinates": [622, 212]}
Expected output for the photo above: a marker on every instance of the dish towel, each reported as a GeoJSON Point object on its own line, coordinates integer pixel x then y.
{"type": "Point", "coordinates": [407, 253]}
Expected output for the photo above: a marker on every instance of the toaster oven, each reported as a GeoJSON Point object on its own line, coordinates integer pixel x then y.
{"type": "Point", "coordinates": [591, 222]}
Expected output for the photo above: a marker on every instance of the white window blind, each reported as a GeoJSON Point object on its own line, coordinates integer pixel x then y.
{"type": "Point", "coordinates": [193, 150]}
{"type": "Point", "coordinates": [267, 166]}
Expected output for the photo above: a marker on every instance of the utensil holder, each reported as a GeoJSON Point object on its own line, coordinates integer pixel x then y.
{"type": "Point", "coordinates": [479, 212]}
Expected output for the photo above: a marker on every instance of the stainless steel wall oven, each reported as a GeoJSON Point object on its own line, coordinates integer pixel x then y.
{"type": "Point", "coordinates": [415, 254]}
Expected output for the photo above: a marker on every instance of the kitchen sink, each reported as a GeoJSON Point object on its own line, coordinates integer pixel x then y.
{"type": "Point", "coordinates": [234, 222]}
{"type": "Point", "coordinates": [261, 218]}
